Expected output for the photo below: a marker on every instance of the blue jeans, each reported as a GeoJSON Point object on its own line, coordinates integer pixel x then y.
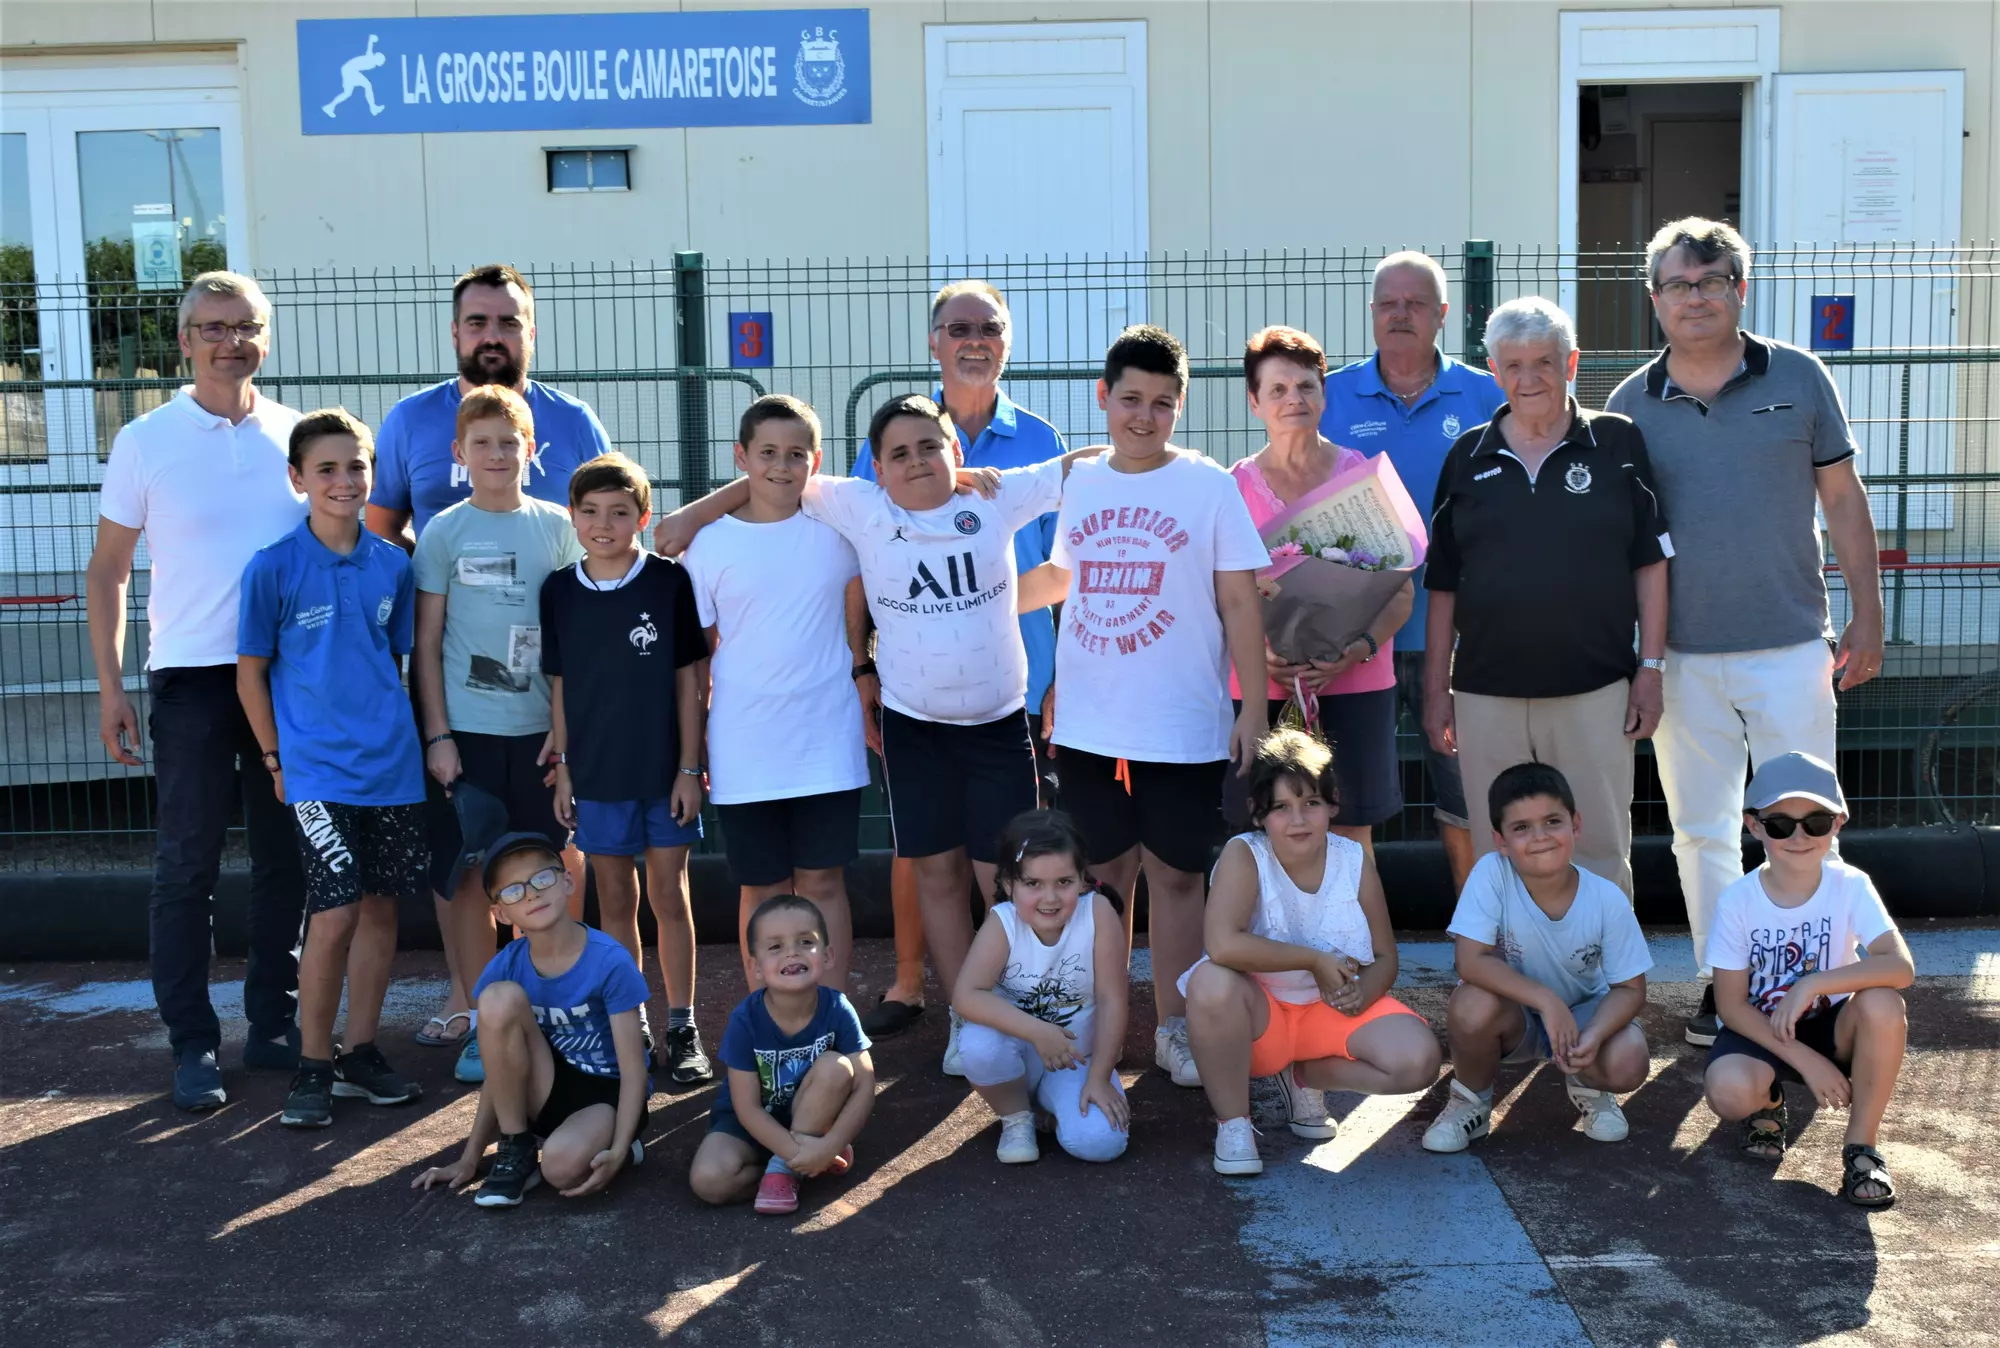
{"type": "Point", "coordinates": [1447, 788]}
{"type": "Point", "coordinates": [204, 755]}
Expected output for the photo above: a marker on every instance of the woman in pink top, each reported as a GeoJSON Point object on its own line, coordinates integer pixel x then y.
{"type": "Point", "coordinates": [1285, 370]}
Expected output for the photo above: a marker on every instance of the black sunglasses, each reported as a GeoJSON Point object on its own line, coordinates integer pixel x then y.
{"type": "Point", "coordinates": [1817, 824]}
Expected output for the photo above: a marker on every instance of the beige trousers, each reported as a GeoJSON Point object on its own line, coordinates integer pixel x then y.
{"type": "Point", "coordinates": [1582, 737]}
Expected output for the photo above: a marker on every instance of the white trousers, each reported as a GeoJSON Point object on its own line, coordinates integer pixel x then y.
{"type": "Point", "coordinates": [991, 1058]}
{"type": "Point", "coordinates": [1725, 714]}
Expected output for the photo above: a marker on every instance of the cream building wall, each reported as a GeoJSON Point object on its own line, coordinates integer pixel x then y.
{"type": "Point", "coordinates": [1271, 124]}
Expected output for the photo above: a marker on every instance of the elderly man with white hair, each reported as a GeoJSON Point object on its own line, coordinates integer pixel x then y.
{"type": "Point", "coordinates": [1547, 550]}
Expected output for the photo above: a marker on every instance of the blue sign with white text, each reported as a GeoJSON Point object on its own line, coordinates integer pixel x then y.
{"type": "Point", "coordinates": [562, 72]}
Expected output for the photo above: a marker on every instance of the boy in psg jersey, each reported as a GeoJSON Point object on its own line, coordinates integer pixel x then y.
{"type": "Point", "coordinates": [623, 651]}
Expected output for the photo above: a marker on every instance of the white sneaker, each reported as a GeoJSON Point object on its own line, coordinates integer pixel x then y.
{"type": "Point", "coordinates": [1172, 1056]}
{"type": "Point", "coordinates": [1017, 1139]}
{"type": "Point", "coordinates": [1236, 1148]}
{"type": "Point", "coordinates": [1305, 1108]}
{"type": "Point", "coordinates": [952, 1066]}
{"type": "Point", "coordinates": [1603, 1120]}
{"type": "Point", "coordinates": [1463, 1118]}
{"type": "Point", "coordinates": [638, 1154]}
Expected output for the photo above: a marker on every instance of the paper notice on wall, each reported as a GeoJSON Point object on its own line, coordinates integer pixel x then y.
{"type": "Point", "coordinates": [156, 254]}
{"type": "Point", "coordinates": [1876, 193]}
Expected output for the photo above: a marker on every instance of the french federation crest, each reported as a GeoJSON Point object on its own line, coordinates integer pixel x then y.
{"type": "Point", "coordinates": [1451, 425]}
{"type": "Point", "coordinates": [1577, 479]}
{"type": "Point", "coordinates": [819, 75]}
{"type": "Point", "coordinates": [643, 634]}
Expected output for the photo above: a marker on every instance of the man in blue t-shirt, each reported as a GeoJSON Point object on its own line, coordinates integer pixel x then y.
{"type": "Point", "coordinates": [971, 336]}
{"type": "Point", "coordinates": [1410, 401]}
{"type": "Point", "coordinates": [493, 338]}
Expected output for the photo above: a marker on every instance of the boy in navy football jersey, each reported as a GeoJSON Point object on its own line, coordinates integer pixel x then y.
{"type": "Point", "coordinates": [625, 655]}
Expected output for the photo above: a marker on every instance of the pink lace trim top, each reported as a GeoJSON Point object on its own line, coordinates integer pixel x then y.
{"type": "Point", "coordinates": [1265, 506]}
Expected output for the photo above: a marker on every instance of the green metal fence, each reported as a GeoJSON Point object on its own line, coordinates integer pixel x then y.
{"type": "Point", "coordinates": [652, 348]}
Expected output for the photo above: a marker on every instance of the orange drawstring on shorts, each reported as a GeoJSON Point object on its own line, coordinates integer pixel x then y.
{"type": "Point", "coordinates": [1123, 773]}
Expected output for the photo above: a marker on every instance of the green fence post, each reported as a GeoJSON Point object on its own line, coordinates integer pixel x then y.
{"type": "Point", "coordinates": [128, 368]}
{"type": "Point", "coordinates": [1478, 298]}
{"type": "Point", "coordinates": [691, 354]}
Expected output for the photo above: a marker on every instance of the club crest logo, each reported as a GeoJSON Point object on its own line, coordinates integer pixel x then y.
{"type": "Point", "coordinates": [965, 522]}
{"type": "Point", "coordinates": [819, 75]}
{"type": "Point", "coordinates": [644, 635]}
{"type": "Point", "coordinates": [1451, 426]}
{"type": "Point", "coordinates": [1577, 480]}
{"type": "Point", "coordinates": [384, 609]}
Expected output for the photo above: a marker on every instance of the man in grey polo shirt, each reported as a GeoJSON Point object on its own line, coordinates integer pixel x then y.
{"type": "Point", "coordinates": [1746, 435]}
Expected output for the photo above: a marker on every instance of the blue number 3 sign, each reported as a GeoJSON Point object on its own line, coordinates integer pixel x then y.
{"type": "Point", "coordinates": [750, 340]}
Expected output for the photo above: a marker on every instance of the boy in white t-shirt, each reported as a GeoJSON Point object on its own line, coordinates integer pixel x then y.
{"type": "Point", "coordinates": [786, 761]}
{"type": "Point", "coordinates": [1160, 558]}
{"type": "Point", "coordinates": [1797, 1002]}
{"type": "Point", "coordinates": [1554, 967]}
{"type": "Point", "coordinates": [939, 574]}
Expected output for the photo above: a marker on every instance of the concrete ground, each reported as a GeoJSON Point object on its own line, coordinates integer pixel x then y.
{"type": "Point", "coordinates": [125, 1222]}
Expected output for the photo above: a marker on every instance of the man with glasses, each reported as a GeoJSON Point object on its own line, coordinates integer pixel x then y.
{"type": "Point", "coordinates": [1410, 400]}
{"type": "Point", "coordinates": [971, 336]}
{"type": "Point", "coordinates": [204, 479]}
{"type": "Point", "coordinates": [1747, 437]}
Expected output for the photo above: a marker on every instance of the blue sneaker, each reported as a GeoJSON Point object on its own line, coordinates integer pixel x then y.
{"type": "Point", "coordinates": [197, 1080]}
{"type": "Point", "coordinates": [268, 1050]}
{"type": "Point", "coordinates": [470, 1069]}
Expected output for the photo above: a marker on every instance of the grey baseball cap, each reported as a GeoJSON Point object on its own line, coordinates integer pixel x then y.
{"type": "Point", "coordinates": [1795, 775]}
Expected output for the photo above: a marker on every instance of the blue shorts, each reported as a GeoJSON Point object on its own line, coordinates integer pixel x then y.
{"type": "Point", "coordinates": [1535, 1046]}
{"type": "Point", "coordinates": [626, 828]}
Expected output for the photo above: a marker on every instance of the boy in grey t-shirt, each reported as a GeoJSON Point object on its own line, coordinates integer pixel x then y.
{"type": "Point", "coordinates": [1553, 966]}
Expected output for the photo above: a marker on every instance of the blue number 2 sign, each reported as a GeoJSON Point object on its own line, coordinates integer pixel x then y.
{"type": "Point", "coordinates": [750, 341]}
{"type": "Point", "coordinates": [1833, 322]}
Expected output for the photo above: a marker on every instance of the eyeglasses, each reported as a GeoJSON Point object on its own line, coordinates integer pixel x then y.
{"type": "Point", "coordinates": [1711, 288]}
{"type": "Point", "coordinates": [539, 881]}
{"type": "Point", "coordinates": [215, 333]}
{"type": "Point", "coordinates": [1817, 824]}
{"type": "Point", "coordinates": [992, 329]}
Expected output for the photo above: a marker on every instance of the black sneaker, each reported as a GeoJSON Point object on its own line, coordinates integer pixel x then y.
{"type": "Point", "coordinates": [516, 1170]}
{"type": "Point", "coordinates": [1705, 1024]}
{"type": "Point", "coordinates": [272, 1050]}
{"type": "Point", "coordinates": [362, 1073]}
{"type": "Point", "coordinates": [687, 1065]}
{"type": "Point", "coordinates": [310, 1105]}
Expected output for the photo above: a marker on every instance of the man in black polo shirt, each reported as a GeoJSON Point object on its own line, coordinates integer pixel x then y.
{"type": "Point", "coordinates": [1547, 548]}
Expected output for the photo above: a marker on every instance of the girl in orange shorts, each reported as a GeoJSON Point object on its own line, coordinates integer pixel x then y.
{"type": "Point", "coordinates": [1300, 958]}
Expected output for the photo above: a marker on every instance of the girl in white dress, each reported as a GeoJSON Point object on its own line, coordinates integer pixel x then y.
{"type": "Point", "coordinates": [1043, 996]}
{"type": "Point", "coordinates": [1300, 959]}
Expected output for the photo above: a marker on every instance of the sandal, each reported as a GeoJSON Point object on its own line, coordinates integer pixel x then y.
{"type": "Point", "coordinates": [1766, 1144]}
{"type": "Point", "coordinates": [890, 1018]}
{"type": "Point", "coordinates": [442, 1037]}
{"type": "Point", "coordinates": [1864, 1165]}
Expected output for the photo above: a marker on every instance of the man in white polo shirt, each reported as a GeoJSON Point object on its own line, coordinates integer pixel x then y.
{"type": "Point", "coordinates": [203, 478]}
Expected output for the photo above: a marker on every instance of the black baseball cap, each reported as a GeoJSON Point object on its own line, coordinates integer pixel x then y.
{"type": "Point", "coordinates": [510, 843]}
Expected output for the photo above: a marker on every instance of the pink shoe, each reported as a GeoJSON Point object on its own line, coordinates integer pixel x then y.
{"type": "Point", "coordinates": [843, 1162]}
{"type": "Point", "coordinates": [778, 1193]}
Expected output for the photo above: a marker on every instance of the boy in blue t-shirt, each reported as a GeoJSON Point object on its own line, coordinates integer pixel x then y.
{"type": "Point", "coordinates": [325, 619]}
{"type": "Point", "coordinates": [560, 1004]}
{"type": "Point", "coordinates": [801, 1082]}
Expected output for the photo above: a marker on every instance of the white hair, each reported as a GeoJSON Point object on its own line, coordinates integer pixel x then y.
{"type": "Point", "coordinates": [1422, 262]}
{"type": "Point", "coordinates": [1529, 321]}
{"type": "Point", "coordinates": [224, 283]}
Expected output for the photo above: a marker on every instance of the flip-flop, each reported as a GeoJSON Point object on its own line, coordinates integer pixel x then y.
{"type": "Point", "coordinates": [890, 1018]}
{"type": "Point", "coordinates": [442, 1037]}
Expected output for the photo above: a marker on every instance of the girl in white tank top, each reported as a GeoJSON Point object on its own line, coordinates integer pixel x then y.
{"type": "Point", "coordinates": [1043, 997]}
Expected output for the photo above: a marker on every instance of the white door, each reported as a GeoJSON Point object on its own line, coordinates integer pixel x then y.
{"type": "Point", "coordinates": [1038, 183]}
{"type": "Point", "coordinates": [1867, 185]}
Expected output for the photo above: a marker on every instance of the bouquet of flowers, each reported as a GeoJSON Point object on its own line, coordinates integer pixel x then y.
{"type": "Point", "coordinates": [1338, 556]}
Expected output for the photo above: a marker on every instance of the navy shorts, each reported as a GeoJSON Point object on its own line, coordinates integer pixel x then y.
{"type": "Point", "coordinates": [955, 785]}
{"type": "Point", "coordinates": [1814, 1030]}
{"type": "Point", "coordinates": [1361, 728]}
{"type": "Point", "coordinates": [767, 840]}
{"type": "Point", "coordinates": [351, 850]}
{"type": "Point", "coordinates": [572, 1091]}
{"type": "Point", "coordinates": [1447, 786]}
{"type": "Point", "coordinates": [1173, 810]}
{"type": "Point", "coordinates": [628, 828]}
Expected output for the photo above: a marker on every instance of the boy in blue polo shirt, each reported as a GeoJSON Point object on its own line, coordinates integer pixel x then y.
{"type": "Point", "coordinates": [327, 614]}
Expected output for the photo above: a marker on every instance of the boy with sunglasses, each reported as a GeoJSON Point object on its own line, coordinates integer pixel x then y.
{"type": "Point", "coordinates": [1808, 972]}
{"type": "Point", "coordinates": [559, 1032]}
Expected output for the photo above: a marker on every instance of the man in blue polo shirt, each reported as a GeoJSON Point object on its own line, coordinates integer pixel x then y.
{"type": "Point", "coordinates": [971, 336]}
{"type": "Point", "coordinates": [493, 338]}
{"type": "Point", "coordinates": [328, 612]}
{"type": "Point", "coordinates": [1411, 401]}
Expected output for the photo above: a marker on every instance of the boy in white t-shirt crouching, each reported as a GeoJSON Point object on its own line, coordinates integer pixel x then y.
{"type": "Point", "coordinates": [786, 759]}
{"type": "Point", "coordinates": [1808, 972]}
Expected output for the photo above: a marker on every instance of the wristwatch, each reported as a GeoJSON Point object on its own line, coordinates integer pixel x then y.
{"type": "Point", "coordinates": [865, 667]}
{"type": "Point", "coordinates": [1657, 666]}
{"type": "Point", "coordinates": [690, 772]}
{"type": "Point", "coordinates": [271, 761]}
